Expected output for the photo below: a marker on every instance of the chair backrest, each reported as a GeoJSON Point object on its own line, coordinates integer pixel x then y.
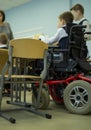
{"type": "Point", "coordinates": [3, 58]}
{"type": "Point", "coordinates": [28, 48]}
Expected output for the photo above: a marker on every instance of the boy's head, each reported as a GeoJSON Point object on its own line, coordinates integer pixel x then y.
{"type": "Point", "coordinates": [77, 11]}
{"type": "Point", "coordinates": [3, 38]}
{"type": "Point", "coordinates": [65, 18]}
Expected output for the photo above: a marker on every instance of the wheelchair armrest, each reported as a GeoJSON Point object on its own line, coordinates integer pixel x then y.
{"type": "Point", "coordinates": [87, 32]}
{"type": "Point", "coordinates": [56, 49]}
{"type": "Point", "coordinates": [78, 26]}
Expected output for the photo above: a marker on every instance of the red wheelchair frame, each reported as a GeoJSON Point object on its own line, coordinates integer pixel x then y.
{"type": "Point", "coordinates": [52, 85]}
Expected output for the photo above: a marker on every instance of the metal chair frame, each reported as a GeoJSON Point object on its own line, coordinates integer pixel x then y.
{"type": "Point", "coordinates": [23, 50]}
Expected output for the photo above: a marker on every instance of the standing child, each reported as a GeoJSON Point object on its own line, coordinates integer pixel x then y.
{"type": "Point", "coordinates": [78, 12]}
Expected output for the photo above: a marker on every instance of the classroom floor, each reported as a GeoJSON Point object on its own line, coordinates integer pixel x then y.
{"type": "Point", "coordinates": [61, 119]}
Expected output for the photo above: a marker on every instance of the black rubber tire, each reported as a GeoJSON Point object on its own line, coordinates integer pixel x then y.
{"type": "Point", "coordinates": [12, 120]}
{"type": "Point", "coordinates": [77, 97]}
{"type": "Point", "coordinates": [45, 99]}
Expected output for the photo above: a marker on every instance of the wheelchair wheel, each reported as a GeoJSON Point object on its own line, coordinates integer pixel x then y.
{"type": "Point", "coordinates": [44, 99]}
{"type": "Point", "coordinates": [77, 97]}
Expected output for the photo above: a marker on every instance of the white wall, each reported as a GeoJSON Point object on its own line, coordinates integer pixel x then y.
{"type": "Point", "coordinates": [37, 16]}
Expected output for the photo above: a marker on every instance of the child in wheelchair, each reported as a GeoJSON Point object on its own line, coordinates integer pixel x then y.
{"type": "Point", "coordinates": [59, 39]}
{"type": "Point", "coordinates": [61, 34]}
{"type": "Point", "coordinates": [70, 45]}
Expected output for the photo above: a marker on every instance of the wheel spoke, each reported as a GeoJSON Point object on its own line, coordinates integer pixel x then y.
{"type": "Point", "coordinates": [72, 97]}
{"type": "Point", "coordinates": [84, 93]}
{"type": "Point", "coordinates": [76, 104]}
{"type": "Point", "coordinates": [83, 101]}
{"type": "Point", "coordinates": [76, 89]}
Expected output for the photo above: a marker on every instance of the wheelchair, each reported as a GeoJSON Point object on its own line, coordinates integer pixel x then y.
{"type": "Point", "coordinates": [68, 77]}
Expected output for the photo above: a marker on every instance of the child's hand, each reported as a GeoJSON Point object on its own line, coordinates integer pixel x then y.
{"type": "Point", "coordinates": [42, 38]}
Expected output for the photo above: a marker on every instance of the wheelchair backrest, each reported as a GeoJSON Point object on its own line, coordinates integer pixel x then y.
{"type": "Point", "coordinates": [73, 32]}
{"type": "Point", "coordinates": [66, 59]}
{"type": "Point", "coordinates": [77, 43]}
{"type": "Point", "coordinates": [64, 42]}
